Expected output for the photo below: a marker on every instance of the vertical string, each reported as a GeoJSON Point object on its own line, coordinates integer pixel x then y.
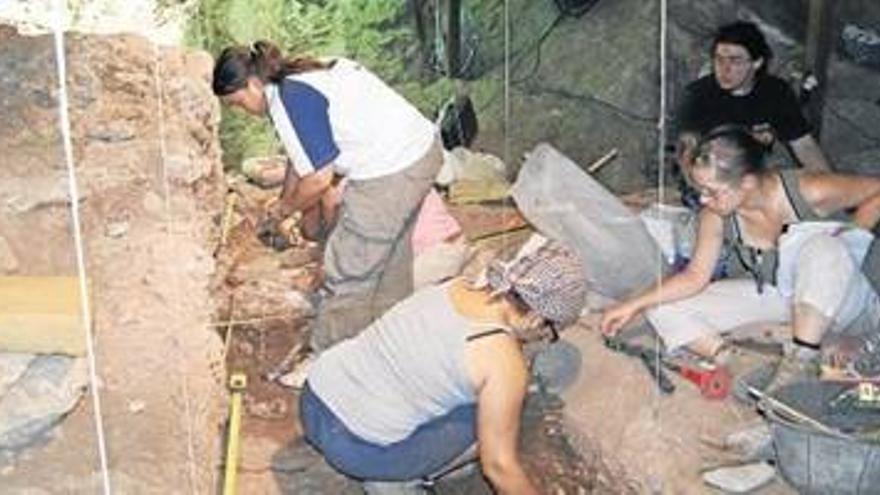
{"type": "Point", "coordinates": [506, 127]}
{"type": "Point", "coordinates": [169, 231]}
{"type": "Point", "coordinates": [60, 14]}
{"type": "Point", "coordinates": [661, 166]}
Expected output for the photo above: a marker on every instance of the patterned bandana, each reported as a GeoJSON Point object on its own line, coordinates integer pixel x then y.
{"type": "Point", "coordinates": [551, 281]}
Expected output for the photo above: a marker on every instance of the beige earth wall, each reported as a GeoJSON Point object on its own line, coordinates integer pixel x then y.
{"type": "Point", "coordinates": [144, 134]}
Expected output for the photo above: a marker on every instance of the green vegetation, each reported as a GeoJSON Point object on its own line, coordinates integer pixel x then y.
{"type": "Point", "coordinates": [378, 33]}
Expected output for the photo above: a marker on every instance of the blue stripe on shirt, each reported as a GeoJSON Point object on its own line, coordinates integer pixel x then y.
{"type": "Point", "coordinates": [307, 109]}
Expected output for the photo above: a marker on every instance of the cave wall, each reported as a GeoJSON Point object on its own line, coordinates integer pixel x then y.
{"type": "Point", "coordinates": [594, 84]}
{"type": "Point", "coordinates": [147, 165]}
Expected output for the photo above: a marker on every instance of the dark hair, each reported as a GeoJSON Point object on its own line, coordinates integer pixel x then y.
{"type": "Point", "coordinates": [748, 36]}
{"type": "Point", "coordinates": [262, 60]}
{"type": "Point", "coordinates": [549, 329]}
{"type": "Point", "coordinates": [732, 151]}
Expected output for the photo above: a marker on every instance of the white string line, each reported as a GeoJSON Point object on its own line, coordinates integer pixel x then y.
{"type": "Point", "coordinates": [60, 11]}
{"type": "Point", "coordinates": [169, 230]}
{"type": "Point", "coordinates": [506, 82]}
{"type": "Point", "coordinates": [661, 164]}
{"type": "Point", "coordinates": [506, 95]}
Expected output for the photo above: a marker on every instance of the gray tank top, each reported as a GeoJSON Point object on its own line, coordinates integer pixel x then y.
{"type": "Point", "coordinates": [762, 264]}
{"type": "Point", "coordinates": [402, 371]}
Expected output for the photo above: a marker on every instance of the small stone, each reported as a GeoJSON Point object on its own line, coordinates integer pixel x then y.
{"type": "Point", "coordinates": [116, 230]}
{"type": "Point", "coordinates": [113, 132]}
{"type": "Point", "coordinates": [136, 406]}
{"type": "Point", "coordinates": [6, 470]}
{"type": "Point", "coordinates": [740, 479]}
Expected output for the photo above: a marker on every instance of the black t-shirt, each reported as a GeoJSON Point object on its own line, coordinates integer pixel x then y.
{"type": "Point", "coordinates": [771, 102]}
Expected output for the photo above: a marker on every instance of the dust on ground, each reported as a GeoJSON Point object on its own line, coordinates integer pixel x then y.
{"type": "Point", "coordinates": [264, 325]}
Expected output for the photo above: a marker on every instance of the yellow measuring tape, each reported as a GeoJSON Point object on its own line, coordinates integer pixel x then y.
{"type": "Point", "coordinates": [237, 384]}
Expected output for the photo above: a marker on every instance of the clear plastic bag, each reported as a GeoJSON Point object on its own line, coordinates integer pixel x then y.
{"type": "Point", "coordinates": [565, 203]}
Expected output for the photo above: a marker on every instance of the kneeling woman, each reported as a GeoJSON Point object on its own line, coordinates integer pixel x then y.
{"type": "Point", "coordinates": [804, 269]}
{"type": "Point", "coordinates": [441, 370]}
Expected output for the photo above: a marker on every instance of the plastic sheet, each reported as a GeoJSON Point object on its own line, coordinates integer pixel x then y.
{"type": "Point", "coordinates": [565, 203]}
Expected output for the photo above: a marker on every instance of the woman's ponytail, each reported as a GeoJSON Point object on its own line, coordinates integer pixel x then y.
{"type": "Point", "coordinates": [263, 60]}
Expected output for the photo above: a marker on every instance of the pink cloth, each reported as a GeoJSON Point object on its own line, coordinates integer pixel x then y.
{"type": "Point", "coordinates": [433, 225]}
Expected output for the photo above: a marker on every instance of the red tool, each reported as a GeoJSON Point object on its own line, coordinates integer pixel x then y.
{"type": "Point", "coordinates": [714, 382]}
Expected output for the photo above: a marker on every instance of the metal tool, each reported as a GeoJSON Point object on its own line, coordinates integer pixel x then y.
{"type": "Point", "coordinates": [783, 410]}
{"type": "Point", "coordinates": [237, 384]}
{"type": "Point", "coordinates": [286, 364]}
{"type": "Point", "coordinates": [648, 357]}
{"type": "Point", "coordinates": [714, 382]}
{"type": "Point", "coordinates": [773, 349]}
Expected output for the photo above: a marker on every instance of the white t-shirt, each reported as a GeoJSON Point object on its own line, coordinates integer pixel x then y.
{"type": "Point", "coordinates": [347, 117]}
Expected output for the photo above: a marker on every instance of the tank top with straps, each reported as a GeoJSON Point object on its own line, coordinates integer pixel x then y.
{"type": "Point", "coordinates": [762, 264]}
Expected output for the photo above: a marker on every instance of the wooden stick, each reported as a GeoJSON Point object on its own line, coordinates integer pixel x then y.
{"type": "Point", "coordinates": [779, 406]}
{"type": "Point", "coordinates": [499, 233]}
{"type": "Point", "coordinates": [601, 162]}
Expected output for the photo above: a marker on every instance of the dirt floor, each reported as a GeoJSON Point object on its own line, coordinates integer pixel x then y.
{"type": "Point", "coordinates": [600, 435]}
{"type": "Point", "coordinates": [264, 324]}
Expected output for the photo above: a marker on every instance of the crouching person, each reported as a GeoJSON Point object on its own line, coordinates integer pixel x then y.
{"type": "Point", "coordinates": [441, 371]}
{"type": "Point", "coordinates": [800, 264]}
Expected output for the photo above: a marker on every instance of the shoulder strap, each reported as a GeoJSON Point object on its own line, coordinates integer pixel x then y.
{"type": "Point", "coordinates": [485, 333]}
{"type": "Point", "coordinates": [791, 186]}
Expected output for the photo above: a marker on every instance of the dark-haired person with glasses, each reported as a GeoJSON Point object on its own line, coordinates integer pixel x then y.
{"type": "Point", "coordinates": [741, 91]}
{"type": "Point", "coordinates": [800, 255]}
{"type": "Point", "coordinates": [443, 370]}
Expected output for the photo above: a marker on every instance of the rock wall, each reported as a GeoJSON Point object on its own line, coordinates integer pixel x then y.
{"type": "Point", "coordinates": [144, 126]}
{"type": "Point", "coordinates": [593, 82]}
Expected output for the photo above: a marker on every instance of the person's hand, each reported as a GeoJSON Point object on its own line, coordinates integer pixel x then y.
{"type": "Point", "coordinates": [616, 317]}
{"type": "Point", "coordinates": [280, 234]}
{"type": "Point", "coordinates": [763, 134]}
{"type": "Point", "coordinates": [841, 351]}
{"type": "Point", "coordinates": [272, 210]}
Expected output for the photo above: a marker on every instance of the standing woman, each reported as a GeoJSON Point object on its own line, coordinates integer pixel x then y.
{"type": "Point", "coordinates": [337, 119]}
{"type": "Point", "coordinates": [800, 266]}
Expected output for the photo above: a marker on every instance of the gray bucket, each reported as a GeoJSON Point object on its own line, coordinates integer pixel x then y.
{"type": "Point", "coordinates": [814, 462]}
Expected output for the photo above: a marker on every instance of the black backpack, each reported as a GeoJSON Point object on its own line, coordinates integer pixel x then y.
{"type": "Point", "coordinates": [458, 122]}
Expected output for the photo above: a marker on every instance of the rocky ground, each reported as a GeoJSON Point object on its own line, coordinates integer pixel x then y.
{"type": "Point", "coordinates": [275, 460]}
{"type": "Point", "coordinates": [606, 432]}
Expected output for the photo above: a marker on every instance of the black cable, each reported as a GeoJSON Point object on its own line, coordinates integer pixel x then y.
{"type": "Point", "coordinates": [588, 98]}
{"type": "Point", "coordinates": [537, 47]}
{"type": "Point", "coordinates": [575, 10]}
{"type": "Point", "coordinates": [516, 58]}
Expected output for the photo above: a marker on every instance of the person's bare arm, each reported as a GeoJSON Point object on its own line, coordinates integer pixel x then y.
{"type": "Point", "coordinates": [830, 193]}
{"type": "Point", "coordinates": [809, 154]}
{"type": "Point", "coordinates": [302, 193]}
{"type": "Point", "coordinates": [499, 405]}
{"type": "Point", "coordinates": [687, 283]}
